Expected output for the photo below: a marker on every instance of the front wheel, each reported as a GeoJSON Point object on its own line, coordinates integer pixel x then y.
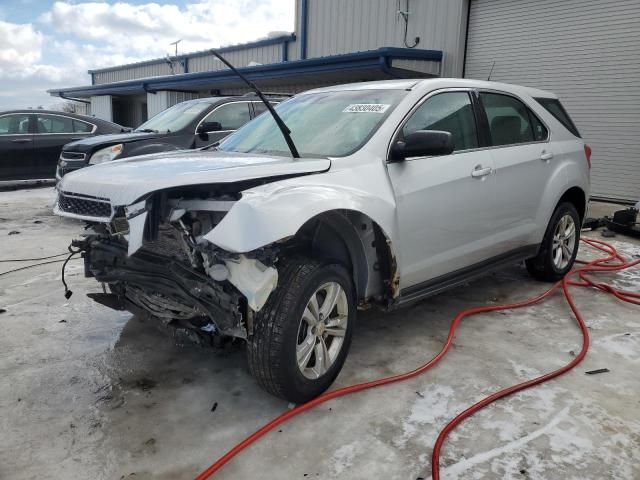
{"type": "Point", "coordinates": [559, 246]}
{"type": "Point", "coordinates": [302, 335]}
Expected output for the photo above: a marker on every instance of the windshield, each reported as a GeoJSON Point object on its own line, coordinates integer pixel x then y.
{"type": "Point", "coordinates": [327, 124]}
{"type": "Point", "coordinates": [174, 118]}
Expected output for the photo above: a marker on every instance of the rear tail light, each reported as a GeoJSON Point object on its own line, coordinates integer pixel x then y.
{"type": "Point", "coordinates": [587, 153]}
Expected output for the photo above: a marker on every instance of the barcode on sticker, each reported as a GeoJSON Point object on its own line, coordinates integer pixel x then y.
{"type": "Point", "coordinates": [366, 108]}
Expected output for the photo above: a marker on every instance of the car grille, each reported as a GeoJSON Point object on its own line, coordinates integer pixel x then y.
{"type": "Point", "coordinates": [85, 207]}
{"type": "Point", "coordinates": [72, 155]}
{"type": "Point", "coordinates": [62, 171]}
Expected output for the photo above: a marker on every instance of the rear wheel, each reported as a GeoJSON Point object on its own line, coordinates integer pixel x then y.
{"type": "Point", "coordinates": [559, 246]}
{"type": "Point", "coordinates": [302, 335]}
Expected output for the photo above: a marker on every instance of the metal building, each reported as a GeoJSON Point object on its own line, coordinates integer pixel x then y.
{"type": "Point", "coordinates": [587, 51]}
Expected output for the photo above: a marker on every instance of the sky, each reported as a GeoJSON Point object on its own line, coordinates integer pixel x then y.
{"type": "Point", "coordinates": [46, 44]}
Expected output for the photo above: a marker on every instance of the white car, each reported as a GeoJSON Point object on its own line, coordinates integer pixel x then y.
{"type": "Point", "coordinates": [404, 188]}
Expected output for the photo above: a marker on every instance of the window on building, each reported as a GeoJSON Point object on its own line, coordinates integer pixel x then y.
{"type": "Point", "coordinates": [82, 127]}
{"type": "Point", "coordinates": [14, 124]}
{"type": "Point", "coordinates": [53, 124]}
{"type": "Point", "coordinates": [230, 116]}
{"type": "Point", "coordinates": [450, 112]}
{"type": "Point", "coordinates": [509, 120]}
{"type": "Point", "coordinates": [556, 109]}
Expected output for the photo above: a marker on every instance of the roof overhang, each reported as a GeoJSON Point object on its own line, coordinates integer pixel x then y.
{"type": "Point", "coordinates": [383, 63]}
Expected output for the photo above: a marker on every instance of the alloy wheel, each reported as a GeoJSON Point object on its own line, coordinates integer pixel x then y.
{"type": "Point", "coordinates": [564, 242]}
{"type": "Point", "coordinates": [322, 329]}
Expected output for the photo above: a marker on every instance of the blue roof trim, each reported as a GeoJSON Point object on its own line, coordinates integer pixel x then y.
{"type": "Point", "coordinates": [203, 53]}
{"type": "Point", "coordinates": [371, 59]}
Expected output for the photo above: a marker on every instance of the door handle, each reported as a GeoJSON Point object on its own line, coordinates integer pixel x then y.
{"type": "Point", "coordinates": [77, 138]}
{"type": "Point", "coordinates": [480, 171]}
{"type": "Point", "coordinates": [546, 156]}
{"type": "Point", "coordinates": [21, 140]}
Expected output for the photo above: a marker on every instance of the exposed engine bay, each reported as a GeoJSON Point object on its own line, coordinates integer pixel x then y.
{"type": "Point", "coordinates": [175, 274]}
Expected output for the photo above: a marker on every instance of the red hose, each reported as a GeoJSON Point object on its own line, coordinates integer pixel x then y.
{"type": "Point", "coordinates": [604, 264]}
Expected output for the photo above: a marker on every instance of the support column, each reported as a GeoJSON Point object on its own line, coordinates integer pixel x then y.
{"type": "Point", "coordinates": [102, 107]}
{"type": "Point", "coordinates": [157, 102]}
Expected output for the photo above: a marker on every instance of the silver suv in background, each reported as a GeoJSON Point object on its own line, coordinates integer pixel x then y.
{"type": "Point", "coordinates": [401, 189]}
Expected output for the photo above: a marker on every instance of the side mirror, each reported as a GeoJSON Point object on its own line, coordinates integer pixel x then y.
{"type": "Point", "coordinates": [206, 127]}
{"type": "Point", "coordinates": [423, 143]}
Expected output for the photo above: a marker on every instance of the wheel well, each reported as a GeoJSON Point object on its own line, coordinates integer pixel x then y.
{"type": "Point", "coordinates": [354, 240]}
{"type": "Point", "coordinates": [576, 196]}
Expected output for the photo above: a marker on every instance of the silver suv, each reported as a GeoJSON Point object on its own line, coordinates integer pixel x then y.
{"type": "Point", "coordinates": [403, 189]}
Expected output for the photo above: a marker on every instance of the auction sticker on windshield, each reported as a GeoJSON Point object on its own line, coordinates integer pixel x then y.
{"type": "Point", "coordinates": [366, 108]}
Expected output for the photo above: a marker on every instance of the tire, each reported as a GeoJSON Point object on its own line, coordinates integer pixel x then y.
{"type": "Point", "coordinates": [280, 331]}
{"type": "Point", "coordinates": [545, 266]}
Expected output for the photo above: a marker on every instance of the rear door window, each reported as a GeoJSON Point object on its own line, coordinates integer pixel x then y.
{"type": "Point", "coordinates": [450, 112]}
{"type": "Point", "coordinates": [16, 124]}
{"type": "Point", "coordinates": [259, 107]}
{"type": "Point", "coordinates": [510, 121]}
{"type": "Point", "coordinates": [555, 108]}
{"type": "Point", "coordinates": [230, 116]}
{"type": "Point", "coordinates": [53, 124]}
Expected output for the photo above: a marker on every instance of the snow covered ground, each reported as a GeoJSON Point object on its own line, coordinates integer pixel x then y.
{"type": "Point", "coordinates": [87, 392]}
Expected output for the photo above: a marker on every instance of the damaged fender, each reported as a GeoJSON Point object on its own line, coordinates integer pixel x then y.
{"type": "Point", "coordinates": [274, 212]}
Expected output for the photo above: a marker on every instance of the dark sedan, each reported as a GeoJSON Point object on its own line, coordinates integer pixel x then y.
{"type": "Point", "coordinates": [31, 140]}
{"type": "Point", "coordinates": [191, 124]}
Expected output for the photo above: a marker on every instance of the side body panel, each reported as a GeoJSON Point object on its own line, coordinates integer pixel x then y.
{"type": "Point", "coordinates": [521, 178]}
{"type": "Point", "coordinates": [16, 147]}
{"type": "Point", "coordinates": [446, 217]}
{"type": "Point", "coordinates": [16, 156]}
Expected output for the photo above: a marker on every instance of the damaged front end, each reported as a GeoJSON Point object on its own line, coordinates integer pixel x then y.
{"type": "Point", "coordinates": [153, 256]}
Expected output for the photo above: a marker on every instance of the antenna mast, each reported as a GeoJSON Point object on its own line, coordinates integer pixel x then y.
{"type": "Point", "coordinates": [491, 71]}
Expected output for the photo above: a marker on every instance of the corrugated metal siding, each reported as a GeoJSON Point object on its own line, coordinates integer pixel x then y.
{"type": "Point", "coordinates": [142, 71]}
{"type": "Point", "coordinates": [343, 26]}
{"type": "Point", "coordinates": [156, 102]}
{"type": "Point", "coordinates": [159, 101]}
{"type": "Point", "coordinates": [101, 107]}
{"type": "Point", "coordinates": [240, 58]}
{"type": "Point", "coordinates": [587, 52]}
{"type": "Point", "coordinates": [197, 63]}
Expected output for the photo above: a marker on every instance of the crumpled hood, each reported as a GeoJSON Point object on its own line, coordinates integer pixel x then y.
{"type": "Point", "coordinates": [90, 143]}
{"type": "Point", "coordinates": [125, 181]}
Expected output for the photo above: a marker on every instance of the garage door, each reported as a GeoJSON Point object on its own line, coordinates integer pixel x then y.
{"type": "Point", "coordinates": [587, 52]}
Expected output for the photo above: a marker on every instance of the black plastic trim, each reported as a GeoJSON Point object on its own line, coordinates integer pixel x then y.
{"type": "Point", "coordinates": [453, 279]}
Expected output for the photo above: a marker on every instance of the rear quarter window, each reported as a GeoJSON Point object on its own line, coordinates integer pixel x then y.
{"type": "Point", "coordinates": [555, 108]}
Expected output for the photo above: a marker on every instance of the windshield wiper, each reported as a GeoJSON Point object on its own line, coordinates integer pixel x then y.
{"type": "Point", "coordinates": [286, 133]}
{"type": "Point", "coordinates": [146, 130]}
